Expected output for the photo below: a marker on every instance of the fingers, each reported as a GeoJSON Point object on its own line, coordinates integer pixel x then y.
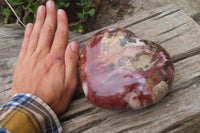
{"type": "Point", "coordinates": [61, 37]}
{"type": "Point", "coordinates": [27, 34]}
{"type": "Point", "coordinates": [48, 29]}
{"type": "Point", "coordinates": [71, 62]}
{"type": "Point", "coordinates": [40, 17]}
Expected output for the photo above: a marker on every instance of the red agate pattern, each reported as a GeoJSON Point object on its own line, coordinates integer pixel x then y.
{"type": "Point", "coordinates": [121, 71]}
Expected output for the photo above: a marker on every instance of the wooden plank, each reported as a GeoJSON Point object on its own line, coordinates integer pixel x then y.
{"type": "Point", "coordinates": [6, 76]}
{"type": "Point", "coordinates": [178, 111]}
{"type": "Point", "coordinates": [169, 26]}
{"type": "Point", "coordinates": [10, 43]}
{"type": "Point", "coordinates": [181, 104]}
{"type": "Point", "coordinates": [177, 33]}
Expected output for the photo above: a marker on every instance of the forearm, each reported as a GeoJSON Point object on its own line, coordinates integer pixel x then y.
{"type": "Point", "coordinates": [28, 113]}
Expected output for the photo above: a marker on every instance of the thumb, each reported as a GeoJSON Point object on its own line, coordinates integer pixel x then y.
{"type": "Point", "coordinates": [71, 63]}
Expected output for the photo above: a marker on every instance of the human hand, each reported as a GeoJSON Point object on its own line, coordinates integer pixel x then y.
{"type": "Point", "coordinates": [47, 66]}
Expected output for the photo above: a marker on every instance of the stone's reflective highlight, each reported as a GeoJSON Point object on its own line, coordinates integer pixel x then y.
{"type": "Point", "coordinates": [121, 71]}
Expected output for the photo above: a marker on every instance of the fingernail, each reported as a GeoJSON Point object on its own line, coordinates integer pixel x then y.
{"type": "Point", "coordinates": [40, 9]}
{"type": "Point", "coordinates": [29, 26]}
{"type": "Point", "coordinates": [60, 12]}
{"type": "Point", "coordinates": [50, 4]}
{"type": "Point", "coordinates": [74, 46]}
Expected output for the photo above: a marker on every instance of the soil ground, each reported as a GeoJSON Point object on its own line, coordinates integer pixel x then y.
{"type": "Point", "coordinates": [112, 11]}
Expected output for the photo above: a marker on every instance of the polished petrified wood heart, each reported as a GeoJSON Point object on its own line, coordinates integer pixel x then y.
{"type": "Point", "coordinates": [121, 71]}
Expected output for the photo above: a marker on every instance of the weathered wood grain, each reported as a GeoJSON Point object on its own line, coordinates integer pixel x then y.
{"type": "Point", "coordinates": [179, 111]}
{"type": "Point", "coordinates": [10, 43]}
{"type": "Point", "coordinates": [169, 26]}
{"type": "Point", "coordinates": [180, 105]}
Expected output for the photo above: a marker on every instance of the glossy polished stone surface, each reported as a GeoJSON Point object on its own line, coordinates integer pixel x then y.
{"type": "Point", "coordinates": [121, 71]}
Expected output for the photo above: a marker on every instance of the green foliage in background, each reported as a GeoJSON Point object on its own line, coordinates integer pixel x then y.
{"type": "Point", "coordinates": [26, 10]}
{"type": "Point", "coordinates": [86, 10]}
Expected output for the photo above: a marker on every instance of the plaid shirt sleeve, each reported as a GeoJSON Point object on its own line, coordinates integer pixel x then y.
{"type": "Point", "coordinates": [29, 114]}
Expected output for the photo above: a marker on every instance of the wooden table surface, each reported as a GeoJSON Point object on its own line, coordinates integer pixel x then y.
{"type": "Point", "coordinates": [178, 111]}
